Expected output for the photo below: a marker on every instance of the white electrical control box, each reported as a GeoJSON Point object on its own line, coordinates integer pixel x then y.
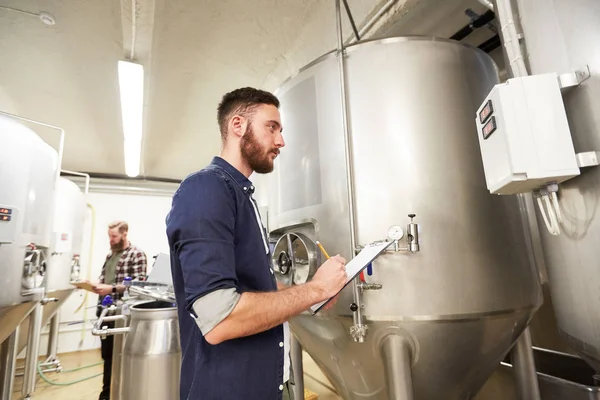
{"type": "Point", "coordinates": [524, 136]}
{"type": "Point", "coordinates": [8, 224]}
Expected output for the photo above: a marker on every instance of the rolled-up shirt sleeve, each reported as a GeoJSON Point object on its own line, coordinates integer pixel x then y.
{"type": "Point", "coordinates": [201, 227]}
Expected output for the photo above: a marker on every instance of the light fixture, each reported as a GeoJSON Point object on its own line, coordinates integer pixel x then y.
{"type": "Point", "coordinates": [45, 17]}
{"type": "Point", "coordinates": [131, 85]}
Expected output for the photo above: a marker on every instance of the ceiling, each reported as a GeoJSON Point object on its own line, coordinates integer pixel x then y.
{"type": "Point", "coordinates": [193, 52]}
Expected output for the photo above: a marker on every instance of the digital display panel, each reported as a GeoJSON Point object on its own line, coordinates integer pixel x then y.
{"type": "Point", "coordinates": [489, 128]}
{"type": "Point", "coordinates": [486, 111]}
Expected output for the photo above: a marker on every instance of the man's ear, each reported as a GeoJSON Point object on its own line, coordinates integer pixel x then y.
{"type": "Point", "coordinates": [238, 125]}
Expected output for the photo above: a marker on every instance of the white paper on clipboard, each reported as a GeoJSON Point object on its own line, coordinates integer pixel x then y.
{"type": "Point", "coordinates": [357, 264]}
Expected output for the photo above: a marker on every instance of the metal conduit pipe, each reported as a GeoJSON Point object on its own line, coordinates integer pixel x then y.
{"type": "Point", "coordinates": [479, 22]}
{"type": "Point", "coordinates": [87, 178]}
{"type": "Point", "coordinates": [370, 23]}
{"type": "Point", "coordinates": [358, 330]}
{"type": "Point", "coordinates": [510, 38]}
{"type": "Point", "coordinates": [522, 352]}
{"type": "Point", "coordinates": [345, 117]}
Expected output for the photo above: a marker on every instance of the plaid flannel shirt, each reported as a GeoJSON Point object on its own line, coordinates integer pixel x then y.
{"type": "Point", "coordinates": [133, 263]}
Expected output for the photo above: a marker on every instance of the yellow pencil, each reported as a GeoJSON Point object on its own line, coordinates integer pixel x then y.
{"type": "Point", "coordinates": [322, 249]}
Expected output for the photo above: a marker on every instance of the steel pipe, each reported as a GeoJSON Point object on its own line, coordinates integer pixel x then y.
{"type": "Point", "coordinates": [397, 361]}
{"type": "Point", "coordinates": [53, 337]}
{"type": "Point", "coordinates": [33, 347]}
{"type": "Point", "coordinates": [297, 367]}
{"type": "Point", "coordinates": [524, 367]}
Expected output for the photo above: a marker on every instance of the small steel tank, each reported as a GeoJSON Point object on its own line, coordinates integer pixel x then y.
{"type": "Point", "coordinates": [147, 359]}
{"type": "Point", "coordinates": [151, 353]}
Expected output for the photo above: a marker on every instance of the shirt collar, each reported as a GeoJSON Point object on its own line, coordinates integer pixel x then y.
{"type": "Point", "coordinates": [240, 178]}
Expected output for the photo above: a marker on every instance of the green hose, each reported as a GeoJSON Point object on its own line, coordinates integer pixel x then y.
{"type": "Point", "coordinates": [39, 368]}
{"type": "Point", "coordinates": [84, 367]}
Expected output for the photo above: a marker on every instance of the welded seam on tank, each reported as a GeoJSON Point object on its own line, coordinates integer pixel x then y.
{"type": "Point", "coordinates": [443, 318]}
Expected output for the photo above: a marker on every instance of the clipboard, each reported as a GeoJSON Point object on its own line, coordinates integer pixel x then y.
{"type": "Point", "coordinates": [356, 265]}
{"type": "Point", "coordinates": [84, 285]}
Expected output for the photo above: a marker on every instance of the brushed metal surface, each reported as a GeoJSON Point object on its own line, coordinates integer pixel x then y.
{"type": "Point", "coordinates": [67, 227]}
{"type": "Point", "coordinates": [48, 311]}
{"type": "Point", "coordinates": [28, 168]}
{"type": "Point", "coordinates": [560, 376]}
{"type": "Point", "coordinates": [151, 353]}
{"type": "Point", "coordinates": [12, 316]}
{"type": "Point", "coordinates": [467, 295]}
{"type": "Point", "coordinates": [562, 36]}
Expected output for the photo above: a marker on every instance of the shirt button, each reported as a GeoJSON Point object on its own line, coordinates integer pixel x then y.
{"type": "Point", "coordinates": [280, 387]}
{"type": "Point", "coordinates": [280, 344]}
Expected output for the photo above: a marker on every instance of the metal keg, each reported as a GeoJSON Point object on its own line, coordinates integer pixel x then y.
{"type": "Point", "coordinates": [152, 353]}
{"type": "Point", "coordinates": [150, 359]}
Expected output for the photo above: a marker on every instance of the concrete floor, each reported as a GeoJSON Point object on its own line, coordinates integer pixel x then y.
{"type": "Point", "coordinates": [88, 389]}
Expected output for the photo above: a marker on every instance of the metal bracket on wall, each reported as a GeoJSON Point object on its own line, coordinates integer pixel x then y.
{"type": "Point", "coordinates": [573, 79]}
{"type": "Point", "coordinates": [588, 159]}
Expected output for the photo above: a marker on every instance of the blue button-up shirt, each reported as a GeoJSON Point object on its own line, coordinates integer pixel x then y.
{"type": "Point", "coordinates": [217, 242]}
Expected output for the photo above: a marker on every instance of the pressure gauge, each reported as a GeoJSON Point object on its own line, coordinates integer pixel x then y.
{"type": "Point", "coordinates": [395, 232]}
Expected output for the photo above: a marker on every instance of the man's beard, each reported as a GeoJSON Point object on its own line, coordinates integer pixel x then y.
{"type": "Point", "coordinates": [119, 246]}
{"type": "Point", "coordinates": [255, 155]}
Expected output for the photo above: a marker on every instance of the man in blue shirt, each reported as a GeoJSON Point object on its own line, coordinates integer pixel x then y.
{"type": "Point", "coordinates": [232, 312]}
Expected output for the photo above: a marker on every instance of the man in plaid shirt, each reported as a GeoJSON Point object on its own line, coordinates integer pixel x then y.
{"type": "Point", "coordinates": [123, 260]}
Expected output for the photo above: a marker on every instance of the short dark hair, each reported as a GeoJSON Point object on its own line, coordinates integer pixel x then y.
{"type": "Point", "coordinates": [242, 101]}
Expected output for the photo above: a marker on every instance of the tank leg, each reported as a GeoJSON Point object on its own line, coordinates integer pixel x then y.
{"type": "Point", "coordinates": [52, 363]}
{"type": "Point", "coordinates": [397, 361]}
{"type": "Point", "coordinates": [53, 337]}
{"type": "Point", "coordinates": [8, 362]}
{"type": "Point", "coordinates": [297, 367]}
{"type": "Point", "coordinates": [524, 367]}
{"type": "Point", "coordinates": [33, 346]}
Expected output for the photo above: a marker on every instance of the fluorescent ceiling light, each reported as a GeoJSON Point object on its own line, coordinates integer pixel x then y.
{"type": "Point", "coordinates": [131, 85]}
{"type": "Point", "coordinates": [133, 151]}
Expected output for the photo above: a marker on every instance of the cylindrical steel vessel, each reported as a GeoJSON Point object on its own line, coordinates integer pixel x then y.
{"type": "Point", "coordinates": [151, 353]}
{"type": "Point", "coordinates": [466, 290]}
{"type": "Point", "coordinates": [67, 235]}
{"type": "Point", "coordinates": [563, 36]}
{"type": "Point", "coordinates": [27, 178]}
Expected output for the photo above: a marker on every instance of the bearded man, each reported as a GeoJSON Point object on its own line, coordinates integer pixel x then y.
{"type": "Point", "coordinates": [232, 312]}
{"type": "Point", "coordinates": [123, 260]}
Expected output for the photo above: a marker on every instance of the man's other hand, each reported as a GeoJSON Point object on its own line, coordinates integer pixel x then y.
{"type": "Point", "coordinates": [102, 289]}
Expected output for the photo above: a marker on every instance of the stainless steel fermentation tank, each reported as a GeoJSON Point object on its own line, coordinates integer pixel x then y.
{"type": "Point", "coordinates": [562, 36]}
{"type": "Point", "coordinates": [68, 221]}
{"type": "Point", "coordinates": [444, 305]}
{"type": "Point", "coordinates": [28, 171]}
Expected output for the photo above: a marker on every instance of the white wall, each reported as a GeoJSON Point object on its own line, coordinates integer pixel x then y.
{"type": "Point", "coordinates": [146, 217]}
